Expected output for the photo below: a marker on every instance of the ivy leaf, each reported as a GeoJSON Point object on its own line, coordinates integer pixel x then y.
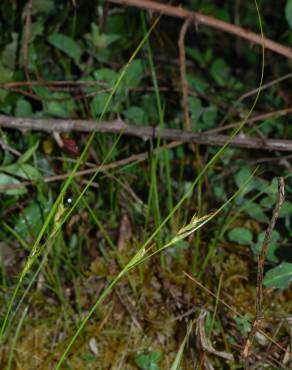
{"type": "Point", "coordinates": [279, 277]}
{"type": "Point", "coordinates": [240, 235]}
{"type": "Point", "coordinates": [67, 45]}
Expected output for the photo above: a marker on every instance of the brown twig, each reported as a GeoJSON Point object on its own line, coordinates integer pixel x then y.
{"type": "Point", "coordinates": [179, 12]}
{"type": "Point", "coordinates": [183, 77]}
{"type": "Point", "coordinates": [144, 132]}
{"type": "Point", "coordinates": [26, 39]}
{"type": "Point", "coordinates": [260, 273]}
{"type": "Point", "coordinates": [255, 118]}
{"type": "Point", "coordinates": [232, 109]}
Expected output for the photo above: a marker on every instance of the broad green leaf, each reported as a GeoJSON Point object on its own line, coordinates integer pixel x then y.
{"type": "Point", "coordinates": [218, 71]}
{"type": "Point", "coordinates": [37, 29]}
{"type": "Point", "coordinates": [197, 83]}
{"type": "Point", "coordinates": [62, 109]}
{"type": "Point", "coordinates": [9, 53]}
{"type": "Point", "coordinates": [9, 180]}
{"type": "Point", "coordinates": [42, 91]}
{"type": "Point", "coordinates": [255, 211]}
{"type": "Point", "coordinates": [23, 108]}
{"type": "Point", "coordinates": [136, 115]}
{"type": "Point", "coordinates": [23, 170]}
{"type": "Point", "coordinates": [98, 103]}
{"type": "Point", "coordinates": [288, 12]}
{"type": "Point", "coordinates": [31, 219]}
{"type": "Point", "coordinates": [209, 116]}
{"type": "Point", "coordinates": [57, 104]}
{"type": "Point", "coordinates": [6, 74]}
{"type": "Point", "coordinates": [100, 40]}
{"type": "Point", "coordinates": [196, 107]}
{"type": "Point", "coordinates": [240, 235]}
{"type": "Point", "coordinates": [279, 277]}
{"type": "Point", "coordinates": [148, 361]}
{"type": "Point", "coordinates": [134, 74]}
{"type": "Point", "coordinates": [272, 189]}
{"type": "Point", "coordinates": [67, 45]}
{"type": "Point", "coordinates": [196, 55]}
{"type": "Point", "coordinates": [286, 209]}
{"type": "Point", "coordinates": [106, 75]}
{"type": "Point", "coordinates": [268, 202]}
{"type": "Point", "coordinates": [241, 177]}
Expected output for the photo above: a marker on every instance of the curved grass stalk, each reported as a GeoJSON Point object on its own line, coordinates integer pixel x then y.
{"type": "Point", "coordinates": [36, 248]}
{"type": "Point", "coordinates": [141, 257]}
{"type": "Point", "coordinates": [138, 258]}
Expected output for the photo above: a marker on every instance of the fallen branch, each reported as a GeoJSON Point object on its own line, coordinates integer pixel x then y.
{"type": "Point", "coordinates": [179, 12]}
{"type": "Point", "coordinates": [144, 132]}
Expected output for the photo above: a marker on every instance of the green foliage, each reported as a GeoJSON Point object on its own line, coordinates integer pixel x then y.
{"type": "Point", "coordinates": [279, 277]}
{"type": "Point", "coordinates": [10, 180]}
{"type": "Point", "coordinates": [67, 45]}
{"type": "Point", "coordinates": [31, 219]}
{"type": "Point", "coordinates": [240, 235]}
{"type": "Point", "coordinates": [219, 71]}
{"type": "Point", "coordinates": [136, 115]}
{"type": "Point", "coordinates": [148, 361]}
{"type": "Point", "coordinates": [76, 54]}
{"type": "Point", "coordinates": [272, 248]}
{"type": "Point", "coordinates": [243, 323]}
{"type": "Point", "coordinates": [288, 12]}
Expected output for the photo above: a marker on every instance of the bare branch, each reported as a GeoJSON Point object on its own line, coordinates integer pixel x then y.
{"type": "Point", "coordinates": [144, 132]}
{"type": "Point", "coordinates": [179, 12]}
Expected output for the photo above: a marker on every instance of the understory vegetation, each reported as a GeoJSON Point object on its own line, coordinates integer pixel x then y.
{"type": "Point", "coordinates": [144, 153]}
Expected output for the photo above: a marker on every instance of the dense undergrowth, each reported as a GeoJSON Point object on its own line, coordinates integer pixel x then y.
{"type": "Point", "coordinates": [82, 283]}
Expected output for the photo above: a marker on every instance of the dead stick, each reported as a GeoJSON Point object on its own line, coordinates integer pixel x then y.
{"type": "Point", "coordinates": [179, 12]}
{"type": "Point", "coordinates": [260, 273]}
{"type": "Point", "coordinates": [26, 39]}
{"type": "Point", "coordinates": [144, 132]}
{"type": "Point", "coordinates": [183, 73]}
